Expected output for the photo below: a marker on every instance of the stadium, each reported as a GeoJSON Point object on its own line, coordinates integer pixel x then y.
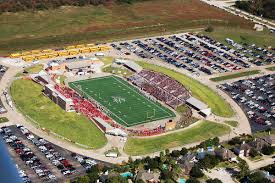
{"type": "Point", "coordinates": [143, 102]}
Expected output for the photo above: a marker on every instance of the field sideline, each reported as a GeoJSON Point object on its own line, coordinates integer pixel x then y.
{"type": "Point", "coordinates": [122, 102]}
{"type": "Point", "coordinates": [28, 96]}
{"type": "Point", "coordinates": [202, 131]}
{"type": "Point", "coordinates": [218, 105]}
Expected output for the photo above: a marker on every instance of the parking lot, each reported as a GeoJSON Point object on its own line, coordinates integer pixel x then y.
{"type": "Point", "coordinates": [253, 53]}
{"type": "Point", "coordinates": [41, 161]}
{"type": "Point", "coordinates": [192, 52]}
{"type": "Point", "coordinates": [257, 99]}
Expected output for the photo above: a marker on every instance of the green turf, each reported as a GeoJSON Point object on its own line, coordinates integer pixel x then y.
{"type": "Point", "coordinates": [29, 99]}
{"type": "Point", "coordinates": [133, 108]}
{"type": "Point", "coordinates": [232, 123]}
{"type": "Point", "coordinates": [236, 75]}
{"type": "Point", "coordinates": [271, 68]}
{"type": "Point", "coordinates": [202, 131]}
{"type": "Point", "coordinates": [218, 105]}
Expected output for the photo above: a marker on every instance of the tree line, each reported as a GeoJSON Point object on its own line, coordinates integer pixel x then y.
{"type": "Point", "coordinates": [265, 8]}
{"type": "Point", "coordinates": [26, 5]}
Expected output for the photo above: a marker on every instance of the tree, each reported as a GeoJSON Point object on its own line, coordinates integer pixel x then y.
{"type": "Point", "coordinates": [257, 177]}
{"type": "Point", "coordinates": [192, 180]}
{"type": "Point", "coordinates": [83, 179]}
{"type": "Point", "coordinates": [267, 150]}
{"type": "Point", "coordinates": [209, 161]}
{"type": "Point", "coordinates": [175, 153]}
{"type": "Point", "coordinates": [209, 29]}
{"type": "Point", "coordinates": [243, 167]}
{"type": "Point", "coordinates": [183, 151]}
{"type": "Point", "coordinates": [253, 152]}
{"type": "Point", "coordinates": [235, 140]}
{"type": "Point", "coordinates": [213, 181]}
{"type": "Point", "coordinates": [117, 179]}
{"type": "Point", "coordinates": [196, 172]}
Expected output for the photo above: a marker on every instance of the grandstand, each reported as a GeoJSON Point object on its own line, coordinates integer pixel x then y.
{"type": "Point", "coordinates": [121, 101]}
{"type": "Point", "coordinates": [161, 87]}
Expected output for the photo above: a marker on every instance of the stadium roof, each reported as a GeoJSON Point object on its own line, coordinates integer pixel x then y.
{"type": "Point", "coordinates": [196, 103]}
{"type": "Point", "coordinates": [103, 123]}
{"type": "Point", "coordinates": [79, 65]}
{"type": "Point", "coordinates": [133, 66]}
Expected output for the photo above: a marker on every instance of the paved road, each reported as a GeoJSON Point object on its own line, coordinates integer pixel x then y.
{"type": "Point", "coordinates": [265, 161]}
{"type": "Point", "coordinates": [227, 6]}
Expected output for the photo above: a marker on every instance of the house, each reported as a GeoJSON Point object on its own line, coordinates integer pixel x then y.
{"type": "Point", "coordinates": [187, 162]}
{"type": "Point", "coordinates": [243, 149]}
{"type": "Point", "coordinates": [270, 140]}
{"type": "Point", "coordinates": [226, 154]}
{"type": "Point", "coordinates": [201, 153]}
{"type": "Point", "coordinates": [79, 68]}
{"type": "Point", "coordinates": [148, 176]}
{"type": "Point", "coordinates": [259, 143]}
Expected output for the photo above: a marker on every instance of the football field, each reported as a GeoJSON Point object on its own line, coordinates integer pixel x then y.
{"type": "Point", "coordinates": [121, 101]}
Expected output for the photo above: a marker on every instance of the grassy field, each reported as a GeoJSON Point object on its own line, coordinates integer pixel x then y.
{"type": "Point", "coordinates": [232, 123]}
{"type": "Point", "coordinates": [236, 75]}
{"type": "Point", "coordinates": [121, 71]}
{"type": "Point", "coordinates": [3, 119]}
{"type": "Point", "coordinates": [29, 99]}
{"type": "Point", "coordinates": [72, 25]}
{"type": "Point", "coordinates": [218, 105]}
{"type": "Point", "coordinates": [34, 69]}
{"type": "Point", "coordinates": [263, 39]}
{"type": "Point", "coordinates": [200, 132]}
{"type": "Point", "coordinates": [271, 68]}
{"type": "Point", "coordinates": [124, 103]}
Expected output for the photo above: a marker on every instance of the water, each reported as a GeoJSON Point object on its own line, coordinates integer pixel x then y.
{"type": "Point", "coordinates": [8, 171]}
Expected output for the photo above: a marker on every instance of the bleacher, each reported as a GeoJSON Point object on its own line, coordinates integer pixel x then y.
{"type": "Point", "coordinates": [162, 87]}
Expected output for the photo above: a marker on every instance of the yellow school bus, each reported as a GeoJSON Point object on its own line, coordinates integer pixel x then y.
{"type": "Point", "coordinates": [15, 55]}
{"type": "Point", "coordinates": [28, 58]}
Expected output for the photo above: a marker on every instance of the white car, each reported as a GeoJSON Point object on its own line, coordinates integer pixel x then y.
{"type": "Point", "coordinates": [30, 136]}
{"type": "Point", "coordinates": [52, 177]}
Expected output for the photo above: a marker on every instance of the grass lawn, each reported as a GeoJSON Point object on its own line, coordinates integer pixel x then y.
{"type": "Point", "coordinates": [232, 123]}
{"type": "Point", "coordinates": [106, 60]}
{"type": "Point", "coordinates": [218, 105]}
{"type": "Point", "coordinates": [271, 68]}
{"type": "Point", "coordinates": [121, 101]}
{"type": "Point", "coordinates": [236, 75]}
{"type": "Point", "coordinates": [202, 131]}
{"type": "Point", "coordinates": [73, 25]}
{"type": "Point", "coordinates": [263, 39]}
{"type": "Point", "coordinates": [29, 99]}
{"type": "Point", "coordinates": [121, 71]}
{"type": "Point", "coordinates": [3, 119]}
{"type": "Point", "coordinates": [34, 69]}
